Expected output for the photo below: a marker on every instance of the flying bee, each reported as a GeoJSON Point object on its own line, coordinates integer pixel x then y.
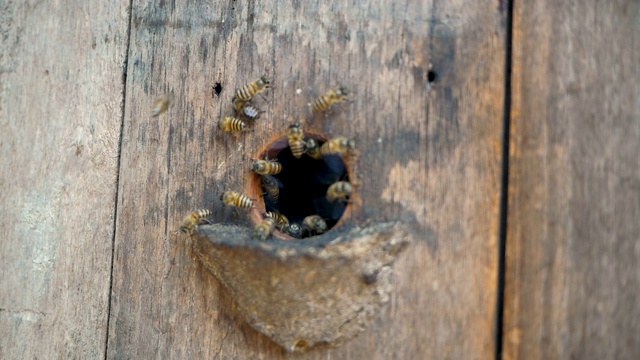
{"type": "Point", "coordinates": [312, 149]}
{"type": "Point", "coordinates": [162, 104]}
{"type": "Point", "coordinates": [264, 228]}
{"type": "Point", "coordinates": [339, 190]}
{"type": "Point", "coordinates": [228, 123]}
{"type": "Point", "coordinates": [281, 221]}
{"type": "Point", "coordinates": [314, 224]}
{"type": "Point", "coordinates": [233, 198]}
{"type": "Point", "coordinates": [245, 108]}
{"type": "Point", "coordinates": [195, 218]}
{"type": "Point", "coordinates": [266, 167]}
{"type": "Point", "coordinates": [248, 91]}
{"type": "Point", "coordinates": [294, 230]}
{"type": "Point", "coordinates": [296, 139]}
{"type": "Point", "coordinates": [338, 146]}
{"type": "Point", "coordinates": [332, 96]}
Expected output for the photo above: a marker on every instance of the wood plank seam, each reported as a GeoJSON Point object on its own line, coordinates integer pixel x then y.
{"type": "Point", "coordinates": [504, 190]}
{"type": "Point", "coordinates": [125, 66]}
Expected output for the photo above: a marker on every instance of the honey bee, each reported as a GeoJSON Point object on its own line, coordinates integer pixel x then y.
{"type": "Point", "coordinates": [339, 190]}
{"type": "Point", "coordinates": [338, 146]}
{"type": "Point", "coordinates": [281, 221]}
{"type": "Point", "coordinates": [228, 123]}
{"type": "Point", "coordinates": [330, 97]}
{"type": "Point", "coordinates": [248, 91]}
{"type": "Point", "coordinates": [294, 230]}
{"type": "Point", "coordinates": [195, 218]}
{"type": "Point", "coordinates": [233, 198]}
{"type": "Point", "coordinates": [265, 167]}
{"type": "Point", "coordinates": [264, 228]}
{"type": "Point", "coordinates": [312, 149]}
{"type": "Point", "coordinates": [314, 224]}
{"type": "Point", "coordinates": [271, 187]}
{"type": "Point", "coordinates": [162, 104]}
{"type": "Point", "coordinates": [296, 139]}
{"type": "Point", "coordinates": [245, 109]}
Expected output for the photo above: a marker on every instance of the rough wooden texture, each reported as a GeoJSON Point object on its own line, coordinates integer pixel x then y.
{"type": "Point", "coordinates": [430, 155]}
{"type": "Point", "coordinates": [573, 256]}
{"type": "Point", "coordinates": [60, 116]}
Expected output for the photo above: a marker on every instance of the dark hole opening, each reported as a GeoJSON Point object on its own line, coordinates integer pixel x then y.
{"type": "Point", "coordinates": [431, 76]}
{"type": "Point", "coordinates": [217, 88]}
{"type": "Point", "coordinates": [304, 184]}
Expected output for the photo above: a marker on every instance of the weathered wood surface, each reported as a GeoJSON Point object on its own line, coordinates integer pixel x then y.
{"type": "Point", "coordinates": [573, 250]}
{"type": "Point", "coordinates": [430, 153]}
{"type": "Point", "coordinates": [60, 115]}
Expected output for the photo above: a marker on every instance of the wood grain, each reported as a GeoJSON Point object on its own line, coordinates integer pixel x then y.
{"type": "Point", "coordinates": [60, 115]}
{"type": "Point", "coordinates": [573, 257]}
{"type": "Point", "coordinates": [430, 155]}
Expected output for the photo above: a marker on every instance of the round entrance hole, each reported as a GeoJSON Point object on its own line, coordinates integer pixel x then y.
{"type": "Point", "coordinates": [303, 186]}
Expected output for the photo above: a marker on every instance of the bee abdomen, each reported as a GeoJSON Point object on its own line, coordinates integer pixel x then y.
{"type": "Point", "coordinates": [229, 123]}
{"type": "Point", "coordinates": [236, 199]}
{"type": "Point", "coordinates": [243, 201]}
{"type": "Point", "coordinates": [263, 167]}
{"type": "Point", "coordinates": [246, 92]}
{"type": "Point", "coordinates": [271, 188]}
{"type": "Point", "coordinates": [202, 213]}
{"type": "Point", "coordinates": [321, 103]}
{"type": "Point", "coordinates": [281, 220]}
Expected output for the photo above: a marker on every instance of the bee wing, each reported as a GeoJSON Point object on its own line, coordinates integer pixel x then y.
{"type": "Point", "coordinates": [335, 168]}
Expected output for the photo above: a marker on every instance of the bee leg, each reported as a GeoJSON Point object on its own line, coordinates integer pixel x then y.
{"type": "Point", "coordinates": [204, 222]}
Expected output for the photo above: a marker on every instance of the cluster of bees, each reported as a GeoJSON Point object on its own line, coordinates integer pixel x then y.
{"type": "Point", "coordinates": [268, 169]}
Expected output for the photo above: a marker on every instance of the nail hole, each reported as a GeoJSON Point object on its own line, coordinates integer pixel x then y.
{"type": "Point", "coordinates": [304, 184]}
{"type": "Point", "coordinates": [431, 76]}
{"type": "Point", "coordinates": [217, 88]}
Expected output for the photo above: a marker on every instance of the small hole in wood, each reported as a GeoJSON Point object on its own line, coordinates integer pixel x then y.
{"type": "Point", "coordinates": [217, 88]}
{"type": "Point", "coordinates": [304, 183]}
{"type": "Point", "coordinates": [432, 76]}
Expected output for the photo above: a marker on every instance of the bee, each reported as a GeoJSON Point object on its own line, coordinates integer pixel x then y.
{"type": "Point", "coordinates": [161, 104]}
{"type": "Point", "coordinates": [296, 139]}
{"type": "Point", "coordinates": [338, 146]}
{"type": "Point", "coordinates": [245, 109]}
{"type": "Point", "coordinates": [330, 97]}
{"type": "Point", "coordinates": [294, 230]}
{"type": "Point", "coordinates": [265, 167]}
{"type": "Point", "coordinates": [248, 91]}
{"type": "Point", "coordinates": [281, 221]}
{"type": "Point", "coordinates": [228, 123]}
{"type": "Point", "coordinates": [312, 149]}
{"type": "Point", "coordinates": [264, 228]}
{"type": "Point", "coordinates": [233, 198]}
{"type": "Point", "coordinates": [195, 218]}
{"type": "Point", "coordinates": [271, 187]}
{"type": "Point", "coordinates": [314, 224]}
{"type": "Point", "coordinates": [339, 190]}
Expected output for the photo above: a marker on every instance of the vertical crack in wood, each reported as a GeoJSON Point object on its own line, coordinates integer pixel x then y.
{"type": "Point", "coordinates": [504, 190]}
{"type": "Point", "coordinates": [125, 66]}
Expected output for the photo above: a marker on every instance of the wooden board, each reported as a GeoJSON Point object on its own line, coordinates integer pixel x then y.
{"type": "Point", "coordinates": [60, 118]}
{"type": "Point", "coordinates": [430, 156]}
{"type": "Point", "coordinates": [573, 257]}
